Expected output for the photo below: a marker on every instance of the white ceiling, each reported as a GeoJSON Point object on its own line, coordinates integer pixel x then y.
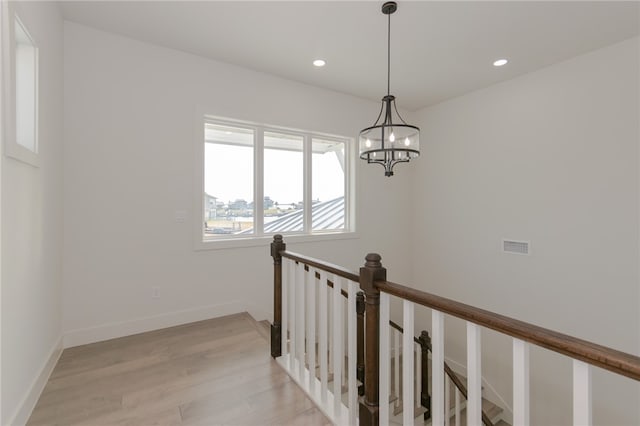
{"type": "Point", "coordinates": [439, 50]}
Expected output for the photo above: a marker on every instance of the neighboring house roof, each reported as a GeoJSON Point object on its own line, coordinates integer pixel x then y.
{"type": "Point", "coordinates": [325, 215]}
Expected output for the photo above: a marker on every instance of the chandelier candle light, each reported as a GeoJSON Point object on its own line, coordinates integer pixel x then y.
{"type": "Point", "coordinates": [389, 142]}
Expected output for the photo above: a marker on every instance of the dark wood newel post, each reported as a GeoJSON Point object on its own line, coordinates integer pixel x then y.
{"type": "Point", "coordinates": [371, 271]}
{"type": "Point", "coordinates": [425, 398]}
{"type": "Point", "coordinates": [360, 346]}
{"type": "Point", "coordinates": [277, 246]}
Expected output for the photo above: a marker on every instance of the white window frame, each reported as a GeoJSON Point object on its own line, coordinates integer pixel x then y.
{"type": "Point", "coordinates": [259, 238]}
{"type": "Point", "coordinates": [11, 146]}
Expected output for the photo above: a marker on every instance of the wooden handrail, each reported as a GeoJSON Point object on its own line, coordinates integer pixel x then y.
{"type": "Point", "coordinates": [319, 264]}
{"type": "Point", "coordinates": [397, 327]}
{"type": "Point", "coordinates": [463, 391]}
{"type": "Point", "coordinates": [600, 356]}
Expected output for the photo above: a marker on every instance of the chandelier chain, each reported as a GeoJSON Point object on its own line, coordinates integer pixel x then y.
{"type": "Point", "coordinates": [389, 55]}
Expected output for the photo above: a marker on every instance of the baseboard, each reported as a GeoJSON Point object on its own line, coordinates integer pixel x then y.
{"type": "Point", "coordinates": [28, 403]}
{"type": "Point", "coordinates": [114, 330]}
{"type": "Point", "coordinates": [489, 392]}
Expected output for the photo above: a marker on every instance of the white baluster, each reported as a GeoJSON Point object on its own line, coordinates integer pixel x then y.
{"type": "Point", "coordinates": [300, 314]}
{"type": "Point", "coordinates": [311, 328]}
{"type": "Point", "coordinates": [474, 371]}
{"type": "Point", "coordinates": [353, 352]}
{"type": "Point", "coordinates": [418, 368]}
{"type": "Point", "coordinates": [520, 383]}
{"type": "Point", "coordinates": [437, 363]}
{"type": "Point", "coordinates": [331, 319]}
{"type": "Point", "coordinates": [457, 409]}
{"type": "Point", "coordinates": [285, 306]}
{"type": "Point", "coordinates": [337, 348]}
{"type": "Point", "coordinates": [582, 415]}
{"type": "Point", "coordinates": [447, 400]}
{"type": "Point", "coordinates": [385, 360]}
{"type": "Point", "coordinates": [345, 332]}
{"type": "Point", "coordinates": [292, 317]}
{"type": "Point", "coordinates": [396, 366]}
{"type": "Point", "coordinates": [407, 364]}
{"type": "Point", "coordinates": [322, 341]}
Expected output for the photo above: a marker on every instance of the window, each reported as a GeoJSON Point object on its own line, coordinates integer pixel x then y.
{"type": "Point", "coordinates": [22, 140]}
{"type": "Point", "coordinates": [26, 88]}
{"type": "Point", "coordinates": [262, 180]}
{"type": "Point", "coordinates": [228, 180]}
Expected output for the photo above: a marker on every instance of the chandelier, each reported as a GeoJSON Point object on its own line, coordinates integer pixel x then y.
{"type": "Point", "coordinates": [390, 140]}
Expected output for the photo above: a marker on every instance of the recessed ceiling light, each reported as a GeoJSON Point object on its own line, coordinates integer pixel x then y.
{"type": "Point", "coordinates": [319, 63]}
{"type": "Point", "coordinates": [500, 62]}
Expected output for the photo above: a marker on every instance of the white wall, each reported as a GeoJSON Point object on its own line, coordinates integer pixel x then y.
{"type": "Point", "coordinates": [32, 233]}
{"type": "Point", "coordinates": [551, 157]}
{"type": "Point", "coordinates": [130, 120]}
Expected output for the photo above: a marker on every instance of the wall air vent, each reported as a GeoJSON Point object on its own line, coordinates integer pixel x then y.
{"type": "Point", "coordinates": [517, 247]}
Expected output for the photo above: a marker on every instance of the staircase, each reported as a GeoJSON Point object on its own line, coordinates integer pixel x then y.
{"type": "Point", "coordinates": [336, 343]}
{"type": "Point", "coordinates": [457, 414]}
{"type": "Point", "coordinates": [492, 411]}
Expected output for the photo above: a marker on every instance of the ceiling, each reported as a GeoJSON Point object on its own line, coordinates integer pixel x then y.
{"type": "Point", "coordinates": [439, 50]}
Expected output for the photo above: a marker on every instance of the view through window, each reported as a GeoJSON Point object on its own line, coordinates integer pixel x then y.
{"type": "Point", "coordinates": [243, 162]}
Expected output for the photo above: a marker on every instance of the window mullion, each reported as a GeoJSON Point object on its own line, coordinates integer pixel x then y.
{"type": "Point", "coordinates": [307, 161]}
{"type": "Point", "coordinates": [258, 202]}
{"type": "Point", "coordinates": [349, 181]}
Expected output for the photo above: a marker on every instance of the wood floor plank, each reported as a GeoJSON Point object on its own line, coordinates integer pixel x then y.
{"type": "Point", "coordinates": [103, 371]}
{"type": "Point", "coordinates": [218, 359]}
{"type": "Point", "coordinates": [75, 412]}
{"type": "Point", "coordinates": [225, 388]}
{"type": "Point", "coordinates": [82, 358]}
{"type": "Point", "coordinates": [267, 406]}
{"type": "Point", "coordinates": [311, 417]}
{"type": "Point", "coordinates": [188, 388]}
{"type": "Point", "coordinates": [210, 372]}
{"type": "Point", "coordinates": [207, 406]}
{"type": "Point", "coordinates": [169, 417]}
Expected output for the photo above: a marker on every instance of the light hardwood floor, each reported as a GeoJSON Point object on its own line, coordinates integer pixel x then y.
{"type": "Point", "coordinates": [206, 373]}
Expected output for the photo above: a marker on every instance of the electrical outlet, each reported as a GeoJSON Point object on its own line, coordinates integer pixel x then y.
{"type": "Point", "coordinates": [155, 292]}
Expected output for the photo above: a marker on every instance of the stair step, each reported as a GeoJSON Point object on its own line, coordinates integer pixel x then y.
{"type": "Point", "coordinates": [264, 328]}
{"type": "Point", "coordinates": [490, 409]}
{"type": "Point", "coordinates": [417, 411]}
{"type": "Point", "coordinates": [492, 417]}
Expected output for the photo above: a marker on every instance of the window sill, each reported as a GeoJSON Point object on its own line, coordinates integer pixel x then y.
{"type": "Point", "coordinates": [20, 153]}
{"type": "Point", "coordinates": [230, 243]}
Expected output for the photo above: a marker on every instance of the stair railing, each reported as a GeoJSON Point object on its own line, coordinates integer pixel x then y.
{"type": "Point", "coordinates": [422, 377]}
{"type": "Point", "coordinates": [309, 297]}
{"type": "Point", "coordinates": [421, 347]}
{"type": "Point", "coordinates": [295, 289]}
{"type": "Point", "coordinates": [583, 353]}
{"type": "Point", "coordinates": [301, 370]}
